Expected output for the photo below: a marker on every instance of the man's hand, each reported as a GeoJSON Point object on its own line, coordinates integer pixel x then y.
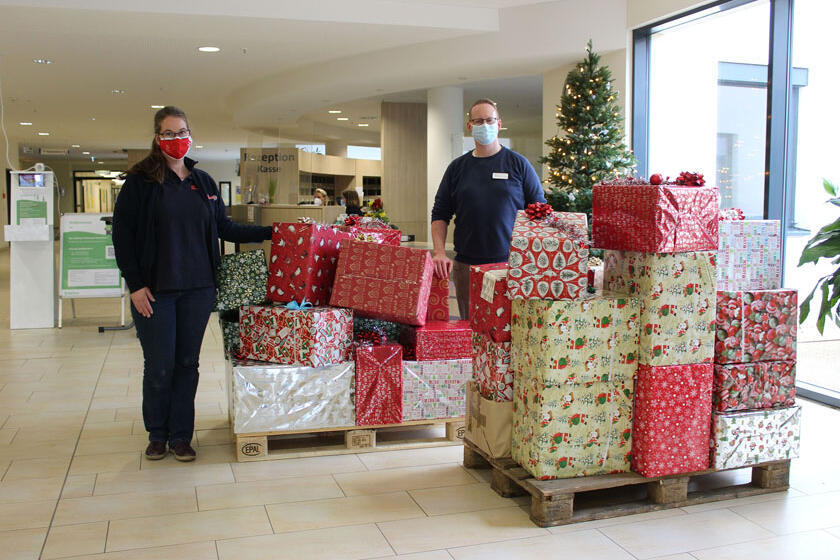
{"type": "Point", "coordinates": [141, 299]}
{"type": "Point", "coordinates": [443, 264]}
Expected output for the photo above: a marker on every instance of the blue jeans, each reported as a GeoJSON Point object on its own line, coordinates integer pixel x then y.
{"type": "Point", "coordinates": [171, 341]}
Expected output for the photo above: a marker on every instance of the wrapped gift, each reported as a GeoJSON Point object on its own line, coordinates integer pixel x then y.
{"type": "Point", "coordinates": [315, 337]}
{"type": "Point", "coordinates": [435, 389]}
{"type": "Point", "coordinates": [628, 216]}
{"type": "Point", "coordinates": [303, 261]}
{"type": "Point", "coordinates": [749, 255]}
{"type": "Point", "coordinates": [671, 419]}
{"type": "Point", "coordinates": [364, 328]}
{"type": "Point", "coordinates": [488, 423]}
{"type": "Point", "coordinates": [740, 439]}
{"type": "Point", "coordinates": [438, 340]}
{"type": "Point", "coordinates": [379, 385]}
{"type": "Point", "coordinates": [491, 368]}
{"type": "Point", "coordinates": [270, 398]}
{"type": "Point", "coordinates": [383, 236]}
{"type": "Point", "coordinates": [756, 326]}
{"type": "Point", "coordinates": [384, 282]}
{"type": "Point", "coordinates": [678, 299]}
{"type": "Point", "coordinates": [489, 302]}
{"type": "Point", "coordinates": [573, 364]}
{"type": "Point", "coordinates": [548, 256]}
{"type": "Point", "coordinates": [229, 323]}
{"type": "Point", "coordinates": [438, 306]}
{"type": "Point", "coordinates": [241, 280]}
{"type": "Point", "coordinates": [753, 386]}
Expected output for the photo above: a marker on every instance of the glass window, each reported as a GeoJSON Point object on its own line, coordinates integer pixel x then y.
{"type": "Point", "coordinates": [364, 152]}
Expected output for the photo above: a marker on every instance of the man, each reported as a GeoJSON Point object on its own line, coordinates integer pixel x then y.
{"type": "Point", "coordinates": [483, 189]}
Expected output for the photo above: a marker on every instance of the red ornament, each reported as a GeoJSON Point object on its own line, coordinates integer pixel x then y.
{"type": "Point", "coordinates": [656, 179]}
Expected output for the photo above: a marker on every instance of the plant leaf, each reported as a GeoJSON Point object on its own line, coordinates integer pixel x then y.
{"type": "Point", "coordinates": [805, 306]}
{"type": "Point", "coordinates": [829, 187]}
{"type": "Point", "coordinates": [824, 308]}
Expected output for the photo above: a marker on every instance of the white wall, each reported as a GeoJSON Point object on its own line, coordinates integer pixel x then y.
{"type": "Point", "coordinates": [645, 12]}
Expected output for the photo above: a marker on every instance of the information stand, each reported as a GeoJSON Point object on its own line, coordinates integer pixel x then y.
{"type": "Point", "coordinates": [88, 265]}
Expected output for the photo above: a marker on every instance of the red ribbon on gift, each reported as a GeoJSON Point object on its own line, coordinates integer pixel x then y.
{"type": "Point", "coordinates": [352, 220]}
{"type": "Point", "coordinates": [731, 214]}
{"type": "Point", "coordinates": [538, 210]}
{"type": "Point", "coordinates": [689, 179]}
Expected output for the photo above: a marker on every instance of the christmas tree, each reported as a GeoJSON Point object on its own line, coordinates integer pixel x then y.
{"type": "Point", "coordinates": [592, 146]}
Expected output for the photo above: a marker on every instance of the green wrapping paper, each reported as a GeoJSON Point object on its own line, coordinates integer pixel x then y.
{"type": "Point", "coordinates": [230, 336]}
{"type": "Point", "coordinates": [573, 364]}
{"type": "Point", "coordinates": [242, 279]}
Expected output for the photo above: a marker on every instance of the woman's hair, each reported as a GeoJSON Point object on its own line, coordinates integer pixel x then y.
{"type": "Point", "coordinates": [154, 165]}
{"type": "Point", "coordinates": [351, 196]}
{"type": "Point", "coordinates": [322, 192]}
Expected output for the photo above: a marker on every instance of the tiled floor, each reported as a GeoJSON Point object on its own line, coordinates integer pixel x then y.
{"type": "Point", "coordinates": [73, 482]}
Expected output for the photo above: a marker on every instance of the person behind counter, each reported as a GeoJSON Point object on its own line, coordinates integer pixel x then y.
{"type": "Point", "coordinates": [352, 202]}
{"type": "Point", "coordinates": [319, 197]}
{"type": "Point", "coordinates": [168, 219]}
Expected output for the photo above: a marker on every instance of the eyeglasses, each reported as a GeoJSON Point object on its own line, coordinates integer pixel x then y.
{"type": "Point", "coordinates": [169, 135]}
{"type": "Point", "coordinates": [477, 122]}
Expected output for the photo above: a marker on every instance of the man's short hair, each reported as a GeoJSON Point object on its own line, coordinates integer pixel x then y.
{"type": "Point", "coordinates": [483, 101]}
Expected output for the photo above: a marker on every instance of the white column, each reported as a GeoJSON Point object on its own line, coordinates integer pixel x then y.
{"type": "Point", "coordinates": [445, 120]}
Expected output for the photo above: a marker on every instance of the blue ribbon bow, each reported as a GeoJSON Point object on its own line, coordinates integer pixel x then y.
{"type": "Point", "coordinates": [295, 306]}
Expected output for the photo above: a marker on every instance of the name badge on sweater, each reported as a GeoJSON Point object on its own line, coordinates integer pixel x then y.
{"type": "Point", "coordinates": [500, 175]}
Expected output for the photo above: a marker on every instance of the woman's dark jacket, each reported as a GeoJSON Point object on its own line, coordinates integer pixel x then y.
{"type": "Point", "coordinates": [134, 226]}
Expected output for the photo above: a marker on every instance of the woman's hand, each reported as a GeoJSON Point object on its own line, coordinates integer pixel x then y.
{"type": "Point", "coordinates": [141, 299]}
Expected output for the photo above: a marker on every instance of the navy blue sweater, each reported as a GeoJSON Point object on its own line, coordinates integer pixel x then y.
{"type": "Point", "coordinates": [484, 194]}
{"type": "Point", "coordinates": [134, 235]}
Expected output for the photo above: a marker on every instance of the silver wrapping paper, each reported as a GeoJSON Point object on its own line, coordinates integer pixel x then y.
{"type": "Point", "coordinates": [270, 397]}
{"type": "Point", "coordinates": [435, 389]}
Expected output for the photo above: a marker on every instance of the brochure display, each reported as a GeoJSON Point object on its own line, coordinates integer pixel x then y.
{"type": "Point", "coordinates": [31, 258]}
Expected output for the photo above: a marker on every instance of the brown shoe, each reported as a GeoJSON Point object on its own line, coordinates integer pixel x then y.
{"type": "Point", "coordinates": [183, 451]}
{"type": "Point", "coordinates": [156, 450]}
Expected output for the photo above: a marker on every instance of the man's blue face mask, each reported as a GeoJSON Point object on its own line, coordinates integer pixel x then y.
{"type": "Point", "coordinates": [485, 133]}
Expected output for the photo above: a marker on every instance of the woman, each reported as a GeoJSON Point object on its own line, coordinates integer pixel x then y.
{"type": "Point", "coordinates": [168, 219]}
{"type": "Point", "coordinates": [352, 202]}
{"type": "Point", "coordinates": [320, 197]}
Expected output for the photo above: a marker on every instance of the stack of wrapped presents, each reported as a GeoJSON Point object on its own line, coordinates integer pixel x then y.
{"type": "Point", "coordinates": [688, 343]}
{"type": "Point", "coordinates": [342, 327]}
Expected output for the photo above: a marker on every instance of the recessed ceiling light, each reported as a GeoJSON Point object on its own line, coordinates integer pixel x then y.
{"type": "Point", "coordinates": [199, 147]}
{"type": "Point", "coordinates": [93, 118]}
{"type": "Point", "coordinates": [75, 146]}
{"type": "Point", "coordinates": [343, 118]}
{"type": "Point", "coordinates": [364, 124]}
{"type": "Point", "coordinates": [42, 61]}
{"type": "Point", "coordinates": [85, 153]}
{"type": "Point", "coordinates": [157, 106]}
{"type": "Point", "coordinates": [503, 128]}
{"type": "Point", "coordinates": [43, 134]}
{"type": "Point", "coordinates": [26, 124]}
{"type": "Point", "coordinates": [101, 162]}
{"type": "Point", "coordinates": [209, 49]}
{"type": "Point", "coordinates": [118, 91]}
{"type": "Point", "coordinates": [334, 111]}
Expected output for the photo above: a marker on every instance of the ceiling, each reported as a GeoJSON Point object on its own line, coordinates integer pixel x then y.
{"type": "Point", "coordinates": [282, 65]}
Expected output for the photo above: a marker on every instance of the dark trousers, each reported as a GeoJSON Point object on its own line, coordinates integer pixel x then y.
{"type": "Point", "coordinates": [461, 279]}
{"type": "Point", "coordinates": [171, 340]}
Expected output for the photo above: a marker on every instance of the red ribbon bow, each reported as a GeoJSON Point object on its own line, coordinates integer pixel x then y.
{"type": "Point", "coordinates": [538, 210]}
{"type": "Point", "coordinates": [352, 220]}
{"type": "Point", "coordinates": [689, 179]}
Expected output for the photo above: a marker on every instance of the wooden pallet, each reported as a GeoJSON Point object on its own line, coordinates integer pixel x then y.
{"type": "Point", "coordinates": [573, 500]}
{"type": "Point", "coordinates": [348, 439]}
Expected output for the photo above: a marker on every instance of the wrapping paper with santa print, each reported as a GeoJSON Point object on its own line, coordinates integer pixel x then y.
{"type": "Point", "coordinates": [671, 419]}
{"type": "Point", "coordinates": [678, 302]}
{"type": "Point", "coordinates": [384, 282]}
{"type": "Point", "coordinates": [491, 368]}
{"type": "Point", "coordinates": [549, 258]}
{"type": "Point", "coordinates": [379, 385]}
{"type": "Point", "coordinates": [438, 307]}
{"type": "Point", "coordinates": [740, 439]}
{"type": "Point", "coordinates": [313, 337]}
{"type": "Point", "coordinates": [435, 389]}
{"type": "Point", "coordinates": [384, 236]}
{"type": "Point", "coordinates": [489, 302]}
{"type": "Point", "coordinates": [756, 326]}
{"type": "Point", "coordinates": [754, 386]}
{"type": "Point", "coordinates": [655, 218]}
{"type": "Point", "coordinates": [438, 340]}
{"type": "Point", "coordinates": [303, 260]}
{"type": "Point", "coordinates": [749, 255]}
{"type": "Point", "coordinates": [272, 398]}
{"type": "Point", "coordinates": [241, 279]}
{"type": "Point", "coordinates": [573, 363]}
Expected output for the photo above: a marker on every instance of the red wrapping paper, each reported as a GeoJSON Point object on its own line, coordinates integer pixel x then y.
{"type": "Point", "coordinates": [655, 218]}
{"type": "Point", "coordinates": [438, 340]}
{"type": "Point", "coordinates": [491, 368]}
{"type": "Point", "coordinates": [379, 388]}
{"type": "Point", "coordinates": [754, 386]}
{"type": "Point", "coordinates": [384, 282]}
{"type": "Point", "coordinates": [489, 302]}
{"type": "Point", "coordinates": [303, 262]}
{"type": "Point", "coordinates": [672, 419]}
{"type": "Point", "coordinates": [381, 235]}
{"type": "Point", "coordinates": [547, 261]}
{"type": "Point", "coordinates": [756, 326]}
{"type": "Point", "coordinates": [313, 337]}
{"type": "Point", "coordinates": [438, 307]}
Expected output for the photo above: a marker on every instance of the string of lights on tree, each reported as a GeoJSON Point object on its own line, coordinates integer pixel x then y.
{"type": "Point", "coordinates": [589, 146]}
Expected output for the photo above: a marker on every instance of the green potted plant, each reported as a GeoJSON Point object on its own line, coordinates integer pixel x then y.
{"type": "Point", "coordinates": [825, 245]}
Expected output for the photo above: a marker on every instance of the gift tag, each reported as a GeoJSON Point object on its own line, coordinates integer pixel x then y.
{"type": "Point", "coordinates": [488, 283]}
